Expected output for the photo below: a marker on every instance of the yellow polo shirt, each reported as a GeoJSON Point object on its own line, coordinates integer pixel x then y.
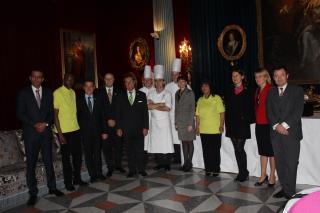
{"type": "Point", "coordinates": [64, 100]}
{"type": "Point", "coordinates": [208, 110]}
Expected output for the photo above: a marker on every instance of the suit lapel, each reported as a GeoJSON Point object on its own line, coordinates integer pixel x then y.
{"type": "Point", "coordinates": [33, 98]}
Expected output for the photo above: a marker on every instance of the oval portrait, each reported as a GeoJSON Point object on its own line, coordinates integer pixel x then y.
{"type": "Point", "coordinates": [232, 42]}
{"type": "Point", "coordinates": [139, 54]}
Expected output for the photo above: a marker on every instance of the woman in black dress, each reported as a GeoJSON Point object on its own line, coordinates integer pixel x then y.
{"type": "Point", "coordinates": [238, 117]}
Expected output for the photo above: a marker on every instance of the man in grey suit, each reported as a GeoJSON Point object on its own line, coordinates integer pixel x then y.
{"type": "Point", "coordinates": [284, 110]}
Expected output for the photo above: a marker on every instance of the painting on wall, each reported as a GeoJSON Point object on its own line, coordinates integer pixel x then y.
{"type": "Point", "coordinates": [78, 55]}
{"type": "Point", "coordinates": [139, 53]}
{"type": "Point", "coordinates": [290, 35]}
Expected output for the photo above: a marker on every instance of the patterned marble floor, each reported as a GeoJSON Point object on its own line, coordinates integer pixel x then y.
{"type": "Point", "coordinates": [164, 192]}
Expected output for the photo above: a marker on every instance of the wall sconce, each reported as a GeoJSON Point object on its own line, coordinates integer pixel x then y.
{"type": "Point", "coordinates": [155, 35]}
{"type": "Point", "coordinates": [185, 49]}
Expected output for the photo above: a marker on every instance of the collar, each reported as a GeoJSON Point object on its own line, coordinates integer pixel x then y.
{"type": "Point", "coordinates": [107, 88]}
{"type": "Point", "coordinates": [87, 96]}
{"type": "Point", "coordinates": [34, 88]}
{"type": "Point", "coordinates": [133, 91]}
{"type": "Point", "coordinates": [284, 87]}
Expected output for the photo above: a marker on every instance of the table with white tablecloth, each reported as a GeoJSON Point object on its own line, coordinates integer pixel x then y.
{"type": "Point", "coordinates": [309, 163]}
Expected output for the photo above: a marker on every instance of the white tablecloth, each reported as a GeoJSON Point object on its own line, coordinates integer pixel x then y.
{"type": "Point", "coordinates": [309, 166]}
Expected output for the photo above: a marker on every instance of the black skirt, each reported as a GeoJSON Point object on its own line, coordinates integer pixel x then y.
{"type": "Point", "coordinates": [263, 140]}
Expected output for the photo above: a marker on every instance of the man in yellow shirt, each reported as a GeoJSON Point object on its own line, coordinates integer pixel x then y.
{"type": "Point", "coordinates": [67, 128]}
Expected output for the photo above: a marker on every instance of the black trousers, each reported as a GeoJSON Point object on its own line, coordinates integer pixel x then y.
{"type": "Point", "coordinates": [92, 153]}
{"type": "Point", "coordinates": [177, 153]}
{"type": "Point", "coordinates": [113, 150]}
{"type": "Point", "coordinates": [211, 144]}
{"type": "Point", "coordinates": [71, 149]}
{"type": "Point", "coordinates": [163, 159]}
{"type": "Point", "coordinates": [33, 145]}
{"type": "Point", "coordinates": [286, 153]}
{"type": "Point", "coordinates": [241, 156]}
{"type": "Point", "coordinates": [135, 153]}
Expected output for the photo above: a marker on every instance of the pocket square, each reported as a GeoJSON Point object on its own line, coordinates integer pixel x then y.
{"type": "Point", "coordinates": [140, 101]}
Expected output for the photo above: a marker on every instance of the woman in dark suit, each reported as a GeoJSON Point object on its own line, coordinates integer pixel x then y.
{"type": "Point", "coordinates": [238, 117]}
{"type": "Point", "coordinates": [184, 120]}
{"type": "Point", "coordinates": [265, 149]}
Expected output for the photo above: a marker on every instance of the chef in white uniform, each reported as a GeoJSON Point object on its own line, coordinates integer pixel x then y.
{"type": "Point", "coordinates": [159, 102]}
{"type": "Point", "coordinates": [172, 87]}
{"type": "Point", "coordinates": [147, 88]}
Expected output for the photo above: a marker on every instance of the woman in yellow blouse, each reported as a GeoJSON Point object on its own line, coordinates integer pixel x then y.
{"type": "Point", "coordinates": [210, 126]}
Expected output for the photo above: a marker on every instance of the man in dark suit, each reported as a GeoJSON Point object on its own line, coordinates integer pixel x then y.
{"type": "Point", "coordinates": [90, 113]}
{"type": "Point", "coordinates": [113, 145]}
{"type": "Point", "coordinates": [132, 123]}
{"type": "Point", "coordinates": [35, 111]}
{"type": "Point", "coordinates": [284, 110]}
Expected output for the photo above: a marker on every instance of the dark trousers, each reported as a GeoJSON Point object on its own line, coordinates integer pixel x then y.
{"type": "Point", "coordinates": [163, 159]}
{"type": "Point", "coordinates": [177, 153]}
{"type": "Point", "coordinates": [241, 156]}
{"type": "Point", "coordinates": [92, 153]}
{"type": "Point", "coordinates": [33, 145]}
{"type": "Point", "coordinates": [135, 154]}
{"type": "Point", "coordinates": [286, 153]}
{"type": "Point", "coordinates": [113, 150]}
{"type": "Point", "coordinates": [71, 149]}
{"type": "Point", "coordinates": [211, 144]}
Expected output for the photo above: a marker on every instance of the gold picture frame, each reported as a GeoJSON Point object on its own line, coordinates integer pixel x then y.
{"type": "Point", "coordinates": [139, 53]}
{"type": "Point", "coordinates": [78, 55]}
{"type": "Point", "coordinates": [233, 48]}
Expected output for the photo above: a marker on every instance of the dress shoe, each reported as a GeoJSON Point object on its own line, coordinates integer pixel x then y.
{"type": "Point", "coordinates": [109, 173]}
{"type": "Point", "coordinates": [157, 167]}
{"type": "Point", "coordinates": [143, 173]}
{"type": "Point", "coordinates": [93, 180]}
{"type": "Point", "coordinates": [265, 180]}
{"type": "Point", "coordinates": [242, 178]}
{"type": "Point", "coordinates": [121, 170]}
{"type": "Point", "coordinates": [208, 174]}
{"type": "Point", "coordinates": [100, 177]}
{"type": "Point", "coordinates": [80, 183]}
{"type": "Point", "coordinates": [182, 168]}
{"type": "Point", "coordinates": [70, 188]}
{"type": "Point", "coordinates": [32, 200]}
{"type": "Point", "coordinates": [279, 194]}
{"type": "Point", "coordinates": [56, 192]}
{"type": "Point", "coordinates": [130, 175]}
{"type": "Point", "coordinates": [215, 174]}
{"type": "Point", "coordinates": [167, 167]}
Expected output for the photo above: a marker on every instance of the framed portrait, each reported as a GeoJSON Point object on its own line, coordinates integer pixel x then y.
{"type": "Point", "coordinates": [139, 53]}
{"type": "Point", "coordinates": [289, 34]}
{"type": "Point", "coordinates": [78, 55]}
{"type": "Point", "coordinates": [232, 42]}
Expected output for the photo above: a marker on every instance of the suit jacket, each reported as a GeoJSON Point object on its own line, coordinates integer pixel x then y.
{"type": "Point", "coordinates": [109, 108]}
{"type": "Point", "coordinates": [91, 122]}
{"type": "Point", "coordinates": [132, 119]}
{"type": "Point", "coordinates": [29, 113]}
{"type": "Point", "coordinates": [287, 108]}
{"type": "Point", "coordinates": [184, 108]}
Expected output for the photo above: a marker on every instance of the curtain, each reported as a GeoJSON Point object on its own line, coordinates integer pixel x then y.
{"type": "Point", "coordinates": [207, 20]}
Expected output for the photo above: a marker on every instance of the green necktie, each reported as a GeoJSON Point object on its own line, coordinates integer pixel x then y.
{"type": "Point", "coordinates": [130, 98]}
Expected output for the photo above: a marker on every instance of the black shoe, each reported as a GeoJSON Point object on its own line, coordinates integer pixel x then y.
{"type": "Point", "coordinates": [121, 170]}
{"type": "Point", "coordinates": [93, 180]}
{"type": "Point", "coordinates": [100, 177]}
{"type": "Point", "coordinates": [143, 173]}
{"type": "Point", "coordinates": [243, 179]}
{"type": "Point", "coordinates": [32, 200]}
{"type": "Point", "coordinates": [215, 174]}
{"type": "Point", "coordinates": [56, 192]}
{"type": "Point", "coordinates": [182, 168]}
{"type": "Point", "coordinates": [265, 180]}
{"type": "Point", "coordinates": [70, 188]}
{"type": "Point", "coordinates": [109, 173]}
{"type": "Point", "coordinates": [157, 167]}
{"type": "Point", "coordinates": [208, 174]}
{"type": "Point", "coordinates": [167, 167]}
{"type": "Point", "coordinates": [80, 183]}
{"type": "Point", "coordinates": [279, 194]}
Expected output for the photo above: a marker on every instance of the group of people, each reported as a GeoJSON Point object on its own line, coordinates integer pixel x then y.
{"type": "Point", "coordinates": [158, 119]}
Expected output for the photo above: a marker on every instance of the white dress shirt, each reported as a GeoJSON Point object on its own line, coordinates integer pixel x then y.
{"type": "Point", "coordinates": [133, 92]}
{"type": "Point", "coordinates": [284, 124]}
{"type": "Point", "coordinates": [35, 93]}
{"type": "Point", "coordinates": [109, 88]}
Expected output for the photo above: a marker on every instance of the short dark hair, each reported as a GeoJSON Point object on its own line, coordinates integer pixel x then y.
{"type": "Point", "coordinates": [68, 74]}
{"type": "Point", "coordinates": [244, 81]}
{"type": "Point", "coordinates": [182, 77]}
{"type": "Point", "coordinates": [132, 76]}
{"type": "Point", "coordinates": [89, 80]}
{"type": "Point", "coordinates": [37, 70]}
{"type": "Point", "coordinates": [207, 82]}
{"type": "Point", "coordinates": [280, 67]}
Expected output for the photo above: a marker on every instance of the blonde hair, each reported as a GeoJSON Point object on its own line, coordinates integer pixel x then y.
{"type": "Point", "coordinates": [265, 72]}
